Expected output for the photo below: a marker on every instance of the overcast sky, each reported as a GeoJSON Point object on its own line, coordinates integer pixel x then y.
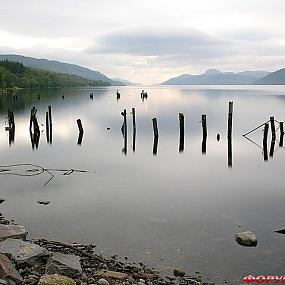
{"type": "Point", "coordinates": [148, 41]}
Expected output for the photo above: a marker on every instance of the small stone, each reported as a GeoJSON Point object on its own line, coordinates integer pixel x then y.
{"type": "Point", "coordinates": [12, 231]}
{"type": "Point", "coordinates": [102, 281]}
{"type": "Point", "coordinates": [247, 238]}
{"type": "Point", "coordinates": [56, 279]}
{"type": "Point", "coordinates": [8, 271]}
{"type": "Point", "coordinates": [3, 282]}
{"type": "Point", "coordinates": [178, 273]}
{"type": "Point", "coordinates": [64, 264]}
{"type": "Point", "coordinates": [23, 253]}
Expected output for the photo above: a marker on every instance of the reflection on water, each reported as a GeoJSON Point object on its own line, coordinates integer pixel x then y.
{"type": "Point", "coordinates": [153, 202]}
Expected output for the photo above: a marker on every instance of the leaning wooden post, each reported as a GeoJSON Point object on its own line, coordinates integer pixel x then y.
{"type": "Point", "coordinates": [204, 125]}
{"type": "Point", "coordinates": [281, 125]}
{"type": "Point", "coordinates": [265, 136]}
{"type": "Point", "coordinates": [230, 118]}
{"type": "Point", "coordinates": [50, 124]}
{"type": "Point", "coordinates": [281, 141]}
{"type": "Point", "coordinates": [181, 132]}
{"type": "Point", "coordinates": [155, 128]}
{"type": "Point", "coordinates": [272, 124]}
{"type": "Point", "coordinates": [81, 131]}
{"type": "Point", "coordinates": [125, 131]}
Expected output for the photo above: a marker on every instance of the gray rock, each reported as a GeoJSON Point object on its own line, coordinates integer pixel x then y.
{"type": "Point", "coordinates": [102, 281]}
{"type": "Point", "coordinates": [23, 253]}
{"type": "Point", "coordinates": [247, 238]}
{"type": "Point", "coordinates": [3, 282]}
{"type": "Point", "coordinates": [64, 264]}
{"type": "Point", "coordinates": [12, 231]}
{"type": "Point", "coordinates": [178, 273]}
{"type": "Point", "coordinates": [56, 279]}
{"type": "Point", "coordinates": [112, 274]}
{"type": "Point", "coordinates": [8, 271]}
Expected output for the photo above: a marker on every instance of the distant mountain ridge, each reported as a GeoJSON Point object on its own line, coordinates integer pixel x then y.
{"type": "Point", "coordinates": [274, 78]}
{"type": "Point", "coordinates": [217, 77]}
{"type": "Point", "coordinates": [59, 67]}
{"type": "Point", "coordinates": [124, 81]}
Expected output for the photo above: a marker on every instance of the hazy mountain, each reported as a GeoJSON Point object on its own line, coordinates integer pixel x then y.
{"type": "Point", "coordinates": [217, 77]}
{"type": "Point", "coordinates": [59, 67]}
{"type": "Point", "coordinates": [274, 78]}
{"type": "Point", "coordinates": [124, 81]}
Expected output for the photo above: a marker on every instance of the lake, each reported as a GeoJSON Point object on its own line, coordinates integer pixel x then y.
{"type": "Point", "coordinates": [169, 209]}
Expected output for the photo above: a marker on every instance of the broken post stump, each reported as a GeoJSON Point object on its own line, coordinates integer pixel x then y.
{"type": "Point", "coordinates": [181, 132]}
{"type": "Point", "coordinates": [155, 127]}
{"type": "Point", "coordinates": [273, 131]}
{"type": "Point", "coordinates": [230, 119]}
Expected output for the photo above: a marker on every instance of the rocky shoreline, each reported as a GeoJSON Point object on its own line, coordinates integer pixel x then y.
{"type": "Point", "coordinates": [45, 262]}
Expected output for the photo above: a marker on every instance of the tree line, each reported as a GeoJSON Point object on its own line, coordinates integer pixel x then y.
{"type": "Point", "coordinates": [15, 74]}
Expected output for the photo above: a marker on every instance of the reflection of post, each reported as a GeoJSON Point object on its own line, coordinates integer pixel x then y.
{"type": "Point", "coordinates": [11, 121]}
{"type": "Point", "coordinates": [34, 129]}
{"type": "Point", "coordinates": [181, 132]}
{"type": "Point", "coordinates": [204, 127]}
{"type": "Point", "coordinates": [272, 145]}
{"type": "Point", "coordinates": [230, 152]}
{"type": "Point", "coordinates": [265, 135]}
{"type": "Point", "coordinates": [155, 145]}
{"type": "Point", "coordinates": [81, 131]}
{"type": "Point", "coordinates": [272, 124]}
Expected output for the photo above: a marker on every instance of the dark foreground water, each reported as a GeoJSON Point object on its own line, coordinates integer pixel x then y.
{"type": "Point", "coordinates": [172, 209]}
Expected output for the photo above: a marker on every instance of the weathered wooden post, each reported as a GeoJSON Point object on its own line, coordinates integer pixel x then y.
{"type": "Point", "coordinates": [181, 132]}
{"type": "Point", "coordinates": [34, 128]}
{"type": "Point", "coordinates": [155, 145]}
{"type": "Point", "coordinates": [230, 153]}
{"type": "Point", "coordinates": [204, 128]}
{"type": "Point", "coordinates": [272, 124]}
{"type": "Point", "coordinates": [281, 125]}
{"type": "Point", "coordinates": [50, 124]}
{"type": "Point", "coordinates": [155, 128]}
{"type": "Point", "coordinates": [125, 131]}
{"type": "Point", "coordinates": [265, 136]}
{"type": "Point", "coordinates": [118, 95]}
{"type": "Point", "coordinates": [230, 119]}
{"type": "Point", "coordinates": [134, 129]}
{"type": "Point", "coordinates": [47, 127]}
{"type": "Point", "coordinates": [81, 131]}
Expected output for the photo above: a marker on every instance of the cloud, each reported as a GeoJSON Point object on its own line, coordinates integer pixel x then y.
{"type": "Point", "coordinates": [161, 42]}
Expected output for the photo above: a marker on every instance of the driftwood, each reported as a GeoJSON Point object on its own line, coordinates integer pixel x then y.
{"type": "Point", "coordinates": [35, 170]}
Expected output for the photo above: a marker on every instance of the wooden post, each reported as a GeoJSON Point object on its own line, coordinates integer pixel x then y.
{"type": "Point", "coordinates": [265, 136]}
{"type": "Point", "coordinates": [47, 127]}
{"type": "Point", "coordinates": [230, 153]}
{"type": "Point", "coordinates": [272, 124]}
{"type": "Point", "coordinates": [50, 124]}
{"type": "Point", "coordinates": [79, 124]}
{"type": "Point", "coordinates": [11, 122]}
{"type": "Point", "coordinates": [204, 128]}
{"type": "Point", "coordinates": [155, 145]}
{"type": "Point", "coordinates": [125, 131]}
{"type": "Point", "coordinates": [272, 146]}
{"type": "Point", "coordinates": [281, 124]}
{"type": "Point", "coordinates": [230, 119]}
{"type": "Point", "coordinates": [155, 128]}
{"type": "Point", "coordinates": [134, 119]}
{"type": "Point", "coordinates": [181, 132]}
{"type": "Point", "coordinates": [134, 129]}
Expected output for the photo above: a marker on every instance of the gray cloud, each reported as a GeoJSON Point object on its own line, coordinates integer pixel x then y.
{"type": "Point", "coordinates": [146, 42]}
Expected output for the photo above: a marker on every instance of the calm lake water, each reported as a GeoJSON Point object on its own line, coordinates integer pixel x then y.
{"type": "Point", "coordinates": [172, 209]}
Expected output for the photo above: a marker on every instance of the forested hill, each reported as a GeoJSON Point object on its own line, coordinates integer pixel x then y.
{"type": "Point", "coordinates": [15, 74]}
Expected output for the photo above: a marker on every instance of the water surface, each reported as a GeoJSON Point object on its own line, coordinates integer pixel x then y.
{"type": "Point", "coordinates": [172, 209]}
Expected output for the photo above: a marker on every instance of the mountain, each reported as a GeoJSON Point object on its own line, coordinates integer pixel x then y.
{"type": "Point", "coordinates": [59, 67]}
{"type": "Point", "coordinates": [124, 81]}
{"type": "Point", "coordinates": [274, 78]}
{"type": "Point", "coordinates": [15, 74]}
{"type": "Point", "coordinates": [217, 77]}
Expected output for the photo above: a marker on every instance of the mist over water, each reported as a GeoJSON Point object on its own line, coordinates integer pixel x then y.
{"type": "Point", "coordinates": [172, 209]}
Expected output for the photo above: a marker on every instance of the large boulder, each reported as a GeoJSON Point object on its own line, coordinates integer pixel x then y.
{"type": "Point", "coordinates": [65, 264]}
{"type": "Point", "coordinates": [247, 238]}
{"type": "Point", "coordinates": [12, 231]}
{"type": "Point", "coordinates": [56, 279]}
{"type": "Point", "coordinates": [23, 253]}
{"type": "Point", "coordinates": [8, 271]}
